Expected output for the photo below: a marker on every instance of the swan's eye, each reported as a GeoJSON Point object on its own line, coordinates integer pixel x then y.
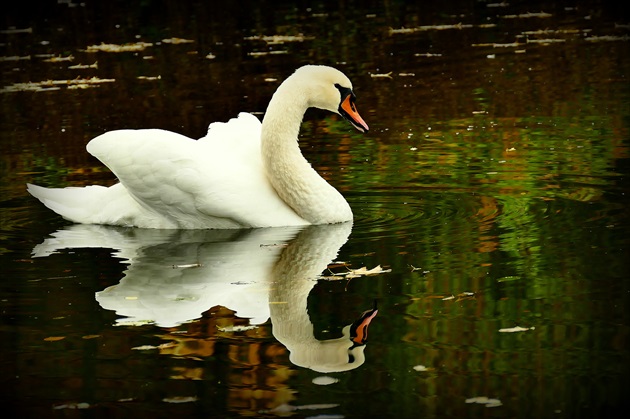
{"type": "Point", "coordinates": [344, 91]}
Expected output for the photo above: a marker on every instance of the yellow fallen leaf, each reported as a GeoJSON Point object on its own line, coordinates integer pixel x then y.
{"type": "Point", "coordinates": [59, 59]}
{"type": "Point", "coordinates": [381, 75]}
{"type": "Point", "coordinates": [54, 338]}
{"type": "Point", "coordinates": [353, 273]}
{"type": "Point", "coordinates": [365, 271]}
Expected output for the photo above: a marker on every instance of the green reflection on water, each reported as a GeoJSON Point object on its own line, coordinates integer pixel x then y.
{"type": "Point", "coordinates": [500, 222]}
{"type": "Point", "coordinates": [540, 157]}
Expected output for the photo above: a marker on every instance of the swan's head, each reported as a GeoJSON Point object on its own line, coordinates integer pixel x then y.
{"type": "Point", "coordinates": [331, 355]}
{"type": "Point", "coordinates": [330, 89]}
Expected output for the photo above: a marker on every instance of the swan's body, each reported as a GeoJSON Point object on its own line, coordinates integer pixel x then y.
{"type": "Point", "coordinates": [242, 174]}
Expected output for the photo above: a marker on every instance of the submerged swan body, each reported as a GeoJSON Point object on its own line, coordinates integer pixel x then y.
{"type": "Point", "coordinates": [242, 174]}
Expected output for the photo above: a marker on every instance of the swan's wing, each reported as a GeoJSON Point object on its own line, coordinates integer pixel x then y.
{"type": "Point", "coordinates": [210, 271]}
{"type": "Point", "coordinates": [216, 182]}
{"type": "Point", "coordinates": [242, 133]}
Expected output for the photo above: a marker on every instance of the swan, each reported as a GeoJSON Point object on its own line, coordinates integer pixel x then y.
{"type": "Point", "coordinates": [242, 174]}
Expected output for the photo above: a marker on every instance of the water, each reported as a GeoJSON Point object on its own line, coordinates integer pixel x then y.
{"type": "Point", "coordinates": [491, 190]}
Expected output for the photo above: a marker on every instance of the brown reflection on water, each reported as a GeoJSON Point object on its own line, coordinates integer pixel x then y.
{"type": "Point", "coordinates": [255, 366]}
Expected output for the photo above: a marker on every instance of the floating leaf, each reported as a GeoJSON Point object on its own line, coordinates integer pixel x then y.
{"type": "Point", "coordinates": [180, 399]}
{"type": "Point", "coordinates": [278, 39]}
{"type": "Point", "coordinates": [59, 59]}
{"type": "Point", "coordinates": [355, 273]}
{"type": "Point", "coordinates": [149, 77]}
{"type": "Point", "coordinates": [527, 15]}
{"type": "Point", "coordinates": [47, 85]}
{"type": "Point", "coordinates": [177, 41]}
{"type": "Point", "coordinates": [144, 348]}
{"type": "Point", "coordinates": [337, 264]}
{"type": "Point", "coordinates": [495, 45]}
{"type": "Point", "coordinates": [262, 53]}
{"type": "Point", "coordinates": [439, 28]}
{"type": "Point", "coordinates": [138, 46]}
{"type": "Point", "coordinates": [515, 329]}
{"type": "Point", "coordinates": [381, 76]}
{"type": "Point", "coordinates": [485, 400]}
{"type": "Point", "coordinates": [83, 66]}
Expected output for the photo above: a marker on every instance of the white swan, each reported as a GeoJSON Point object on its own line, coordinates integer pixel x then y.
{"type": "Point", "coordinates": [241, 174]}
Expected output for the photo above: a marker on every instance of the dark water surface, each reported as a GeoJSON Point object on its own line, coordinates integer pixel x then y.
{"type": "Point", "coordinates": [492, 190]}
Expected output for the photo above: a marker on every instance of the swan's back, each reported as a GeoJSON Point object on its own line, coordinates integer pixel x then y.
{"type": "Point", "coordinates": [168, 175]}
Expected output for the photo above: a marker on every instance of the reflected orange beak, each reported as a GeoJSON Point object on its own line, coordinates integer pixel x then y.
{"type": "Point", "coordinates": [348, 110]}
{"type": "Point", "coordinates": [359, 329]}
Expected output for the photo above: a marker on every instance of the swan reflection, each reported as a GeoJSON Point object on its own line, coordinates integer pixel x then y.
{"type": "Point", "coordinates": [175, 275]}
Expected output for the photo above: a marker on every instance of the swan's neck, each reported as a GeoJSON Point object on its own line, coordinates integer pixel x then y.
{"type": "Point", "coordinates": [293, 178]}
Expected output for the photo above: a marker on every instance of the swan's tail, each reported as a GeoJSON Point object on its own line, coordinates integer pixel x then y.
{"type": "Point", "coordinates": [80, 205]}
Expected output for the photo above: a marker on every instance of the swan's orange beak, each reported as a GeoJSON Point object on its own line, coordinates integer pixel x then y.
{"type": "Point", "coordinates": [348, 110]}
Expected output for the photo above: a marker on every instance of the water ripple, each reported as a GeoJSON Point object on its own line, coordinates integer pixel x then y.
{"type": "Point", "coordinates": [403, 212]}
